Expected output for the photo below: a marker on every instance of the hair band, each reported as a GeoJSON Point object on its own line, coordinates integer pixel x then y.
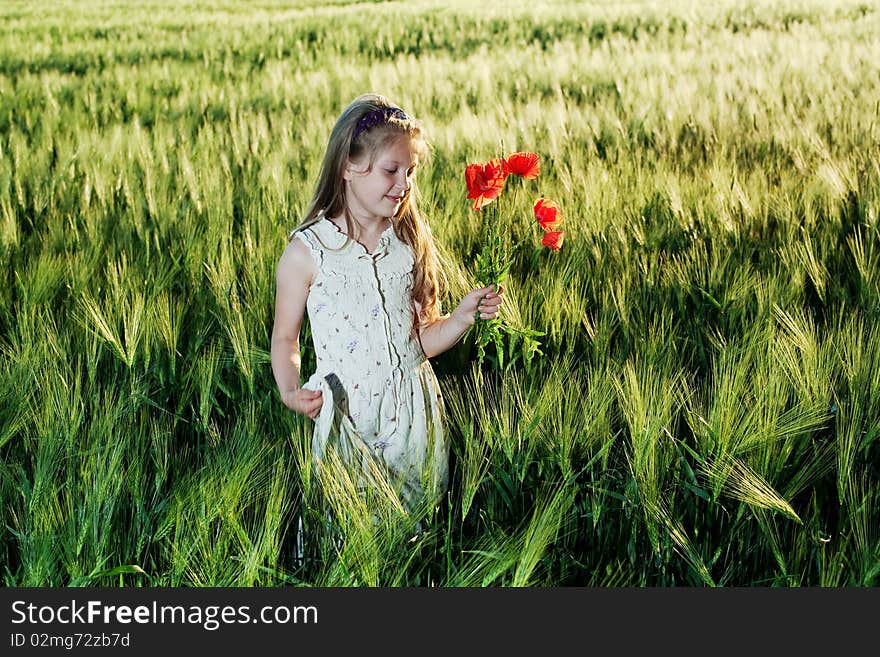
{"type": "Point", "coordinates": [376, 117]}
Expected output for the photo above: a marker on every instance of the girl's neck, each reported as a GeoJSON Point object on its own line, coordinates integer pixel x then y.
{"type": "Point", "coordinates": [363, 227]}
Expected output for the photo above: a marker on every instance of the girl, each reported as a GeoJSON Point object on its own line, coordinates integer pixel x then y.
{"type": "Point", "coordinates": [364, 267]}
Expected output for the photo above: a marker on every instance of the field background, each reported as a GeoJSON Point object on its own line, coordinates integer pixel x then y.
{"type": "Point", "coordinates": [706, 410]}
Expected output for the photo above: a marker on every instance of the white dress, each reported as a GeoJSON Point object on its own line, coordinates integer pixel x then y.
{"type": "Point", "coordinates": [381, 399]}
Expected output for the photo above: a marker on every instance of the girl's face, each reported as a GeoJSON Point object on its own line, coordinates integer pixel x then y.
{"type": "Point", "coordinates": [377, 194]}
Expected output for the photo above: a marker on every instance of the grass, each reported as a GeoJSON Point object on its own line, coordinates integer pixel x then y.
{"type": "Point", "coordinates": [705, 411]}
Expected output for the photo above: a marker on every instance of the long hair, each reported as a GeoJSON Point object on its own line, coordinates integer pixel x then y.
{"type": "Point", "coordinates": [409, 225]}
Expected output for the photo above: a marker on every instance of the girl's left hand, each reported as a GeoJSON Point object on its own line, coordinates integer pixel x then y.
{"type": "Point", "coordinates": [485, 300]}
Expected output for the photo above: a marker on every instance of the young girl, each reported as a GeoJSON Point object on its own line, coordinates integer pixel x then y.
{"type": "Point", "coordinates": [364, 267]}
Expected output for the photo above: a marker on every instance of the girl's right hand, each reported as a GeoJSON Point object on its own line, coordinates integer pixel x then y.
{"type": "Point", "coordinates": [304, 401]}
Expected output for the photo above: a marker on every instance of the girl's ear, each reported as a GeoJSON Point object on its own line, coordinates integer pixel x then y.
{"type": "Point", "coordinates": [353, 169]}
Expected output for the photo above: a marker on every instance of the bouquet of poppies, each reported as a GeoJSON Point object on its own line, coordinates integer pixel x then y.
{"type": "Point", "coordinates": [485, 184]}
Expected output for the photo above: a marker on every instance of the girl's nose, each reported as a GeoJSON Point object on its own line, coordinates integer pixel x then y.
{"type": "Point", "coordinates": [402, 185]}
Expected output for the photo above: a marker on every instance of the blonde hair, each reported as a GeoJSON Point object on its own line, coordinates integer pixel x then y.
{"type": "Point", "coordinates": [354, 136]}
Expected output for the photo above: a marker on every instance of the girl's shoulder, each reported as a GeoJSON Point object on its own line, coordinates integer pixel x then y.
{"type": "Point", "coordinates": [322, 230]}
{"type": "Point", "coordinates": [297, 260]}
{"type": "Point", "coordinates": [321, 234]}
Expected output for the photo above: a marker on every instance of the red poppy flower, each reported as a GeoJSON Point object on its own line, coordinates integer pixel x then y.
{"type": "Point", "coordinates": [547, 213]}
{"type": "Point", "coordinates": [553, 240]}
{"type": "Point", "coordinates": [485, 181]}
{"type": "Point", "coordinates": [523, 164]}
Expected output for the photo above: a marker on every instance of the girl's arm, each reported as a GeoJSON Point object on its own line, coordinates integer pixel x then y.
{"type": "Point", "coordinates": [440, 335]}
{"type": "Point", "coordinates": [294, 275]}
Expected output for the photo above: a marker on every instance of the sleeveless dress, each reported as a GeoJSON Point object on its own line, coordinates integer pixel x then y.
{"type": "Point", "coordinates": [382, 403]}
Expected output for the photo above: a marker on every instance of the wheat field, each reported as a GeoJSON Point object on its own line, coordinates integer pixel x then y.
{"type": "Point", "coordinates": [705, 409]}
